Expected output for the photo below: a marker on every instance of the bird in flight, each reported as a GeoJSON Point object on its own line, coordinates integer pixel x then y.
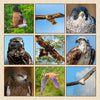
{"type": "Point", "coordinates": [83, 54]}
{"type": "Point", "coordinates": [18, 84]}
{"type": "Point", "coordinates": [18, 20]}
{"type": "Point", "coordinates": [80, 21]}
{"type": "Point", "coordinates": [82, 80]}
{"type": "Point", "coordinates": [50, 18]}
{"type": "Point", "coordinates": [45, 79]}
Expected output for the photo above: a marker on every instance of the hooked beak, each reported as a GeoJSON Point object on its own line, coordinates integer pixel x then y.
{"type": "Point", "coordinates": [82, 13]}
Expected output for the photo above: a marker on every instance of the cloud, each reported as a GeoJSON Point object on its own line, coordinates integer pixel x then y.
{"type": "Point", "coordinates": [89, 88]}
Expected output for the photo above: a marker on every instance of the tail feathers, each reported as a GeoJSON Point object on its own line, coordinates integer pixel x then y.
{"type": "Point", "coordinates": [9, 28]}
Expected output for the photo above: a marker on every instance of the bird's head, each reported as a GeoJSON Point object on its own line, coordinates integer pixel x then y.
{"type": "Point", "coordinates": [82, 40]}
{"type": "Point", "coordinates": [80, 12]}
{"type": "Point", "coordinates": [16, 43]}
{"type": "Point", "coordinates": [20, 76]}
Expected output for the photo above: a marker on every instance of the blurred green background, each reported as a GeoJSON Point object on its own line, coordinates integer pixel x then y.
{"type": "Point", "coordinates": [27, 12]}
{"type": "Point", "coordinates": [50, 90]}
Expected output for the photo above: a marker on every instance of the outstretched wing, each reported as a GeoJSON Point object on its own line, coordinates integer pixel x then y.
{"type": "Point", "coordinates": [44, 81]}
{"type": "Point", "coordinates": [73, 56]}
{"type": "Point", "coordinates": [55, 82]}
{"type": "Point", "coordinates": [52, 21]}
{"type": "Point", "coordinates": [39, 17]}
{"type": "Point", "coordinates": [92, 56]}
{"type": "Point", "coordinates": [43, 53]}
{"type": "Point", "coordinates": [57, 15]}
{"type": "Point", "coordinates": [72, 83]}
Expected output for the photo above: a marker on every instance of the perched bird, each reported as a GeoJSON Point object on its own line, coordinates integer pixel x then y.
{"type": "Point", "coordinates": [18, 84]}
{"type": "Point", "coordinates": [80, 21]}
{"type": "Point", "coordinates": [82, 80]}
{"type": "Point", "coordinates": [16, 53]}
{"type": "Point", "coordinates": [48, 49]}
{"type": "Point", "coordinates": [18, 20]}
{"type": "Point", "coordinates": [83, 54]}
{"type": "Point", "coordinates": [50, 18]}
{"type": "Point", "coordinates": [45, 79]}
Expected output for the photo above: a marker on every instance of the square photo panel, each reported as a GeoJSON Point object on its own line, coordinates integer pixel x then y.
{"type": "Point", "coordinates": [18, 81]}
{"type": "Point", "coordinates": [49, 81]}
{"type": "Point", "coordinates": [18, 50]}
{"type": "Point", "coordinates": [49, 50]}
{"type": "Point", "coordinates": [81, 18]}
{"type": "Point", "coordinates": [81, 50]}
{"type": "Point", "coordinates": [18, 18]}
{"type": "Point", "coordinates": [49, 18]}
{"type": "Point", "coordinates": [81, 81]}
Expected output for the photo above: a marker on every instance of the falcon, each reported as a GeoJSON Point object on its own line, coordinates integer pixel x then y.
{"type": "Point", "coordinates": [45, 79]}
{"type": "Point", "coordinates": [16, 53]}
{"type": "Point", "coordinates": [18, 20]}
{"type": "Point", "coordinates": [83, 54]}
{"type": "Point", "coordinates": [18, 84]}
{"type": "Point", "coordinates": [80, 21]}
{"type": "Point", "coordinates": [50, 18]}
{"type": "Point", "coordinates": [48, 49]}
{"type": "Point", "coordinates": [82, 80]}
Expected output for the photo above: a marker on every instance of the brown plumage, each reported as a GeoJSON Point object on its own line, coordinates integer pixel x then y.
{"type": "Point", "coordinates": [50, 49]}
{"type": "Point", "coordinates": [16, 53]}
{"type": "Point", "coordinates": [18, 84]}
{"type": "Point", "coordinates": [50, 18]}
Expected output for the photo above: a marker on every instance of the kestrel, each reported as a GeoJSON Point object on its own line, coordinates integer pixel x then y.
{"type": "Point", "coordinates": [45, 79]}
{"type": "Point", "coordinates": [18, 20]}
{"type": "Point", "coordinates": [80, 21]}
{"type": "Point", "coordinates": [16, 53]}
{"type": "Point", "coordinates": [18, 84]}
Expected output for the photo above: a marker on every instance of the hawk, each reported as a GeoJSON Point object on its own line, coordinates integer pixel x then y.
{"type": "Point", "coordinates": [50, 18]}
{"type": "Point", "coordinates": [82, 80]}
{"type": "Point", "coordinates": [18, 20]}
{"type": "Point", "coordinates": [45, 79]}
{"type": "Point", "coordinates": [16, 53]}
{"type": "Point", "coordinates": [48, 49]}
{"type": "Point", "coordinates": [80, 21]}
{"type": "Point", "coordinates": [83, 54]}
{"type": "Point", "coordinates": [18, 84]}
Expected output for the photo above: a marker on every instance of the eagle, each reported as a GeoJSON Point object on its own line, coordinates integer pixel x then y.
{"type": "Point", "coordinates": [18, 84]}
{"type": "Point", "coordinates": [18, 20]}
{"type": "Point", "coordinates": [82, 80]}
{"type": "Point", "coordinates": [50, 18]}
{"type": "Point", "coordinates": [80, 21]}
{"type": "Point", "coordinates": [45, 79]}
{"type": "Point", "coordinates": [48, 49]}
{"type": "Point", "coordinates": [16, 53]}
{"type": "Point", "coordinates": [83, 54]}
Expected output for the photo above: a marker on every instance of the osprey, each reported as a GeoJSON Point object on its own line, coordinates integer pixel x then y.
{"type": "Point", "coordinates": [18, 20]}
{"type": "Point", "coordinates": [80, 21]}
{"type": "Point", "coordinates": [16, 53]}
{"type": "Point", "coordinates": [18, 84]}
{"type": "Point", "coordinates": [45, 79]}
{"type": "Point", "coordinates": [82, 80]}
{"type": "Point", "coordinates": [50, 18]}
{"type": "Point", "coordinates": [83, 54]}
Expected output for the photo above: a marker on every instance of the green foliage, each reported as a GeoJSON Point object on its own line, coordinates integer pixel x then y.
{"type": "Point", "coordinates": [50, 90]}
{"type": "Point", "coordinates": [27, 12]}
{"type": "Point", "coordinates": [58, 43]}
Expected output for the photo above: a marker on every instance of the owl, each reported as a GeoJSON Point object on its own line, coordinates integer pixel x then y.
{"type": "Point", "coordinates": [16, 53]}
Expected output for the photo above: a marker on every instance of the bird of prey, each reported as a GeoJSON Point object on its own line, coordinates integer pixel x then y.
{"type": "Point", "coordinates": [18, 20]}
{"type": "Point", "coordinates": [16, 53]}
{"type": "Point", "coordinates": [48, 49]}
{"type": "Point", "coordinates": [50, 18]}
{"type": "Point", "coordinates": [83, 54]}
{"type": "Point", "coordinates": [18, 84]}
{"type": "Point", "coordinates": [45, 79]}
{"type": "Point", "coordinates": [82, 80]}
{"type": "Point", "coordinates": [80, 21]}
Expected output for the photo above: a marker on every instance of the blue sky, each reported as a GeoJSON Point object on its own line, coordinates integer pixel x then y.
{"type": "Point", "coordinates": [44, 26]}
{"type": "Point", "coordinates": [76, 73]}
{"type": "Point", "coordinates": [28, 44]}
{"type": "Point", "coordinates": [71, 42]}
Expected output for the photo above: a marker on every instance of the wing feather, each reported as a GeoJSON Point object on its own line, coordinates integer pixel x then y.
{"type": "Point", "coordinates": [57, 15]}
{"type": "Point", "coordinates": [92, 56]}
{"type": "Point", "coordinates": [72, 83]}
{"type": "Point", "coordinates": [39, 17]}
